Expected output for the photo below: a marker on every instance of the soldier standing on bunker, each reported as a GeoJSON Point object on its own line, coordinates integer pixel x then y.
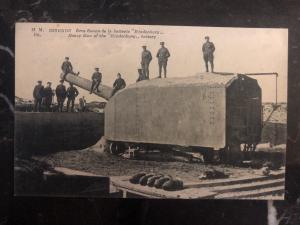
{"type": "Point", "coordinates": [61, 94]}
{"type": "Point", "coordinates": [38, 93]}
{"type": "Point", "coordinates": [118, 84]}
{"type": "Point", "coordinates": [208, 50]}
{"type": "Point", "coordinates": [163, 54]}
{"type": "Point", "coordinates": [48, 95]}
{"type": "Point", "coordinates": [67, 67]}
{"type": "Point", "coordinates": [146, 59]}
{"type": "Point", "coordinates": [96, 80]}
{"type": "Point", "coordinates": [72, 93]}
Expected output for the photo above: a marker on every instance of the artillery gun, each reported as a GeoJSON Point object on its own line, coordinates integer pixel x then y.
{"type": "Point", "coordinates": [209, 113]}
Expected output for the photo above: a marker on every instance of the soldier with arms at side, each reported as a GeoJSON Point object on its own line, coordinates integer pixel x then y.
{"type": "Point", "coordinates": [72, 93]}
{"type": "Point", "coordinates": [48, 96]}
{"type": "Point", "coordinates": [38, 93]}
{"type": "Point", "coordinates": [96, 80]}
{"type": "Point", "coordinates": [163, 55]}
{"type": "Point", "coordinates": [146, 59]}
{"type": "Point", "coordinates": [61, 94]}
{"type": "Point", "coordinates": [82, 104]}
{"type": "Point", "coordinates": [208, 50]}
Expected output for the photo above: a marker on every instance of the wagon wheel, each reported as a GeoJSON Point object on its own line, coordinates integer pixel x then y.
{"type": "Point", "coordinates": [233, 155]}
{"type": "Point", "coordinates": [249, 150]}
{"type": "Point", "coordinates": [115, 148]}
{"type": "Point", "coordinates": [208, 155]}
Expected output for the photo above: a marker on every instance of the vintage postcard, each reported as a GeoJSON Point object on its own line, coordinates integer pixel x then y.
{"type": "Point", "coordinates": [149, 111]}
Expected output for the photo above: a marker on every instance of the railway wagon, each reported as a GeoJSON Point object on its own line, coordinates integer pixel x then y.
{"type": "Point", "coordinates": [206, 112]}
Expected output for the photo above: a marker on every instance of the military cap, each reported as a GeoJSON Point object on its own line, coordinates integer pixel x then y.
{"type": "Point", "coordinates": [162, 42]}
{"type": "Point", "coordinates": [144, 46]}
{"type": "Point", "coordinates": [206, 37]}
{"type": "Point", "coordinates": [66, 57]}
{"type": "Point", "coordinates": [39, 81]}
{"type": "Point", "coordinates": [96, 68]}
{"type": "Point", "coordinates": [61, 81]}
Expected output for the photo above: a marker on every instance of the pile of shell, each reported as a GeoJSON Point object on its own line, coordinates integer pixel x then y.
{"type": "Point", "coordinates": [160, 181]}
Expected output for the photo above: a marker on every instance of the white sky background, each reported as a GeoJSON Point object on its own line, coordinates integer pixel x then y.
{"type": "Point", "coordinates": [239, 50]}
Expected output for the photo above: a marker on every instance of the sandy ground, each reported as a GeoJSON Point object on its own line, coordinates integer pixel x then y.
{"type": "Point", "coordinates": [102, 163]}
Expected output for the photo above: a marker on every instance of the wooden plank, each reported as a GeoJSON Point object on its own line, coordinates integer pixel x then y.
{"type": "Point", "coordinates": [71, 172]}
{"type": "Point", "coordinates": [151, 192]}
{"type": "Point", "coordinates": [73, 183]}
{"type": "Point", "coordinates": [227, 181]}
{"type": "Point", "coordinates": [249, 186]}
{"type": "Point", "coordinates": [252, 193]}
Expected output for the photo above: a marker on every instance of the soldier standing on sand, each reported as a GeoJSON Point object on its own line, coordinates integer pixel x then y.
{"type": "Point", "coordinates": [72, 93]}
{"type": "Point", "coordinates": [38, 93]}
{"type": "Point", "coordinates": [96, 80]}
{"type": "Point", "coordinates": [48, 96]}
{"type": "Point", "coordinates": [67, 67]}
{"type": "Point", "coordinates": [61, 94]}
{"type": "Point", "coordinates": [146, 59]}
{"type": "Point", "coordinates": [208, 50]}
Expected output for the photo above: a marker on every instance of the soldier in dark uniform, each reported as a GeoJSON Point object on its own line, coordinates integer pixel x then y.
{"type": "Point", "coordinates": [96, 80]}
{"type": "Point", "coordinates": [82, 104]}
{"type": "Point", "coordinates": [72, 93]}
{"type": "Point", "coordinates": [208, 50]}
{"type": "Point", "coordinates": [38, 93]}
{"type": "Point", "coordinates": [61, 94]}
{"type": "Point", "coordinates": [163, 54]}
{"type": "Point", "coordinates": [146, 59]}
{"type": "Point", "coordinates": [118, 84]}
{"type": "Point", "coordinates": [67, 67]}
{"type": "Point", "coordinates": [48, 95]}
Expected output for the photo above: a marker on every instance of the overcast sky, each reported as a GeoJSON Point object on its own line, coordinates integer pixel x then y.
{"type": "Point", "coordinates": [238, 50]}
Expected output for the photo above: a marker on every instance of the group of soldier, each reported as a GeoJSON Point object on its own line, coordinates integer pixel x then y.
{"type": "Point", "coordinates": [97, 79]}
{"type": "Point", "coordinates": [163, 55]}
{"type": "Point", "coordinates": [44, 96]}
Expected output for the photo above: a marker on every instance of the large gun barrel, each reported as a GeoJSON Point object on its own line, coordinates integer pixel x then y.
{"type": "Point", "coordinates": [104, 91]}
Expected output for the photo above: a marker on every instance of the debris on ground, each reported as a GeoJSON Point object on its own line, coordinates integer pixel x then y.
{"type": "Point", "coordinates": [266, 171]}
{"type": "Point", "coordinates": [213, 174]}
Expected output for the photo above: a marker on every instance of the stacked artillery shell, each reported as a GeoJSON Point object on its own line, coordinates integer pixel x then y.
{"type": "Point", "coordinates": [136, 178]}
{"type": "Point", "coordinates": [159, 183]}
{"type": "Point", "coordinates": [144, 179]}
{"type": "Point", "coordinates": [172, 185]}
{"type": "Point", "coordinates": [152, 180]}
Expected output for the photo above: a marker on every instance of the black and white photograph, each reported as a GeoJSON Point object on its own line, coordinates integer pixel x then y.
{"type": "Point", "coordinates": [150, 111]}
